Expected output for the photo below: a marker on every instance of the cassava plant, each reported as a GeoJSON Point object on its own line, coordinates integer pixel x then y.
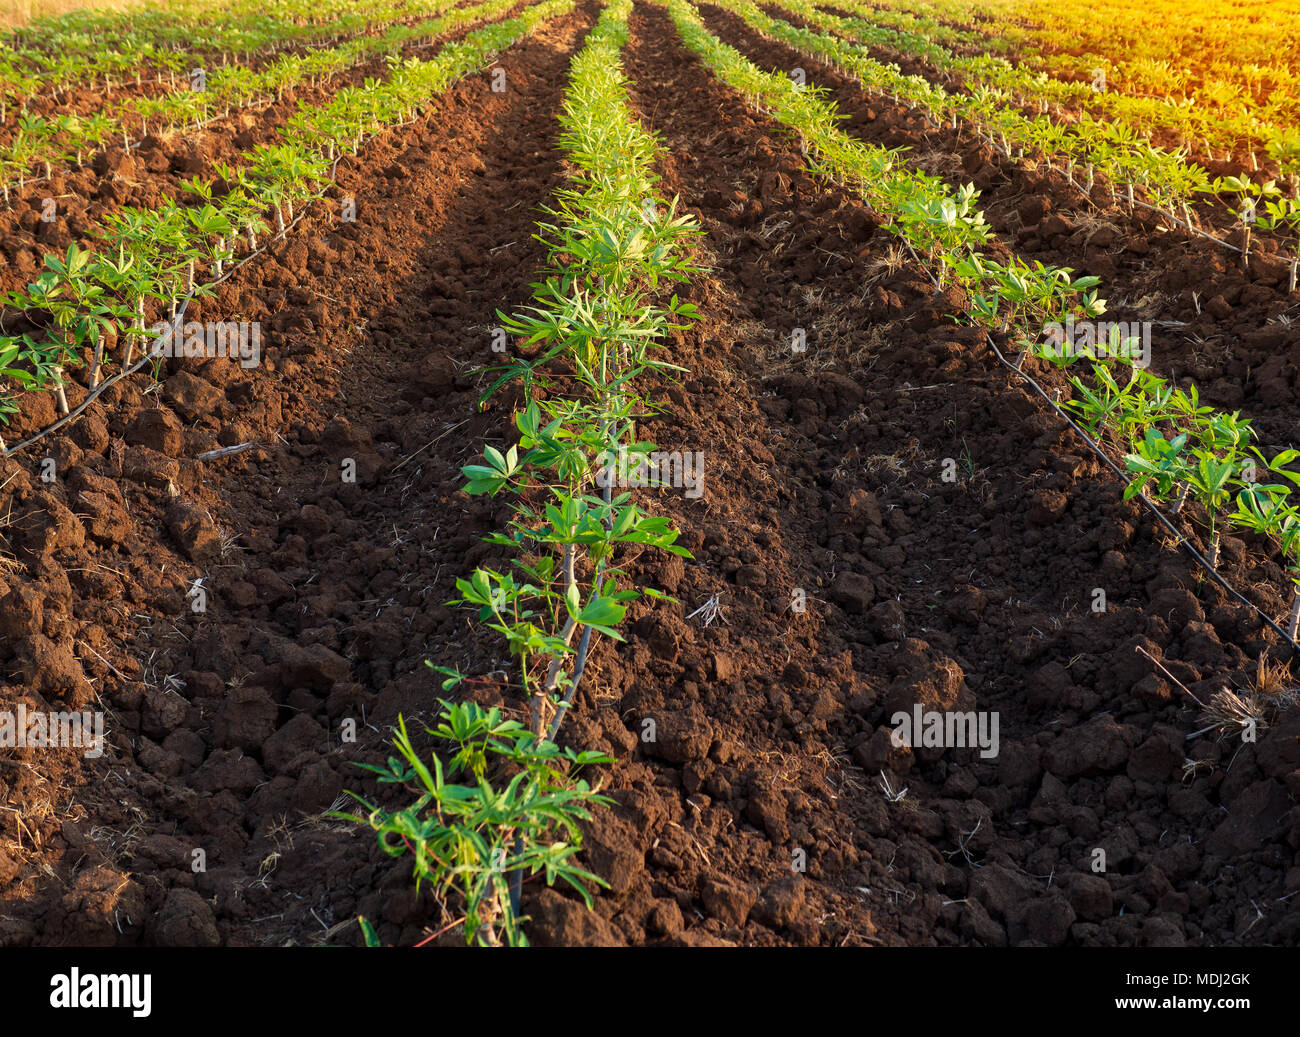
{"type": "Point", "coordinates": [517, 809]}
{"type": "Point", "coordinates": [1247, 197]}
{"type": "Point", "coordinates": [614, 246]}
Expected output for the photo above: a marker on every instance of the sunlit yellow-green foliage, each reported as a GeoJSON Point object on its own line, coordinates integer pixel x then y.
{"type": "Point", "coordinates": [1218, 72]}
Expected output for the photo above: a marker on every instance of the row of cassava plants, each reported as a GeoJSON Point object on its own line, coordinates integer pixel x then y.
{"type": "Point", "coordinates": [1015, 298]}
{"type": "Point", "coordinates": [1212, 460]}
{"type": "Point", "coordinates": [90, 48]}
{"type": "Point", "coordinates": [1183, 53]}
{"type": "Point", "coordinates": [43, 143]}
{"type": "Point", "coordinates": [1106, 148]}
{"type": "Point", "coordinates": [1176, 449]}
{"type": "Point", "coordinates": [595, 325]}
{"type": "Point", "coordinates": [86, 304]}
{"type": "Point", "coordinates": [944, 228]}
{"type": "Point", "coordinates": [1094, 152]}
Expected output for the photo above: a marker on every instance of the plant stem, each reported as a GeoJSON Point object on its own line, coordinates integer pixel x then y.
{"type": "Point", "coordinates": [58, 389]}
{"type": "Point", "coordinates": [547, 689]}
{"type": "Point", "coordinates": [130, 339]}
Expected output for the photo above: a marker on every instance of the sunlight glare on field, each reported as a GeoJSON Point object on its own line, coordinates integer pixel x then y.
{"type": "Point", "coordinates": [20, 12]}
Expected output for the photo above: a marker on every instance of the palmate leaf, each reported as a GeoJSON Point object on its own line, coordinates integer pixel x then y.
{"type": "Point", "coordinates": [495, 475]}
{"type": "Point", "coordinates": [1259, 509]}
{"type": "Point", "coordinates": [1278, 465]}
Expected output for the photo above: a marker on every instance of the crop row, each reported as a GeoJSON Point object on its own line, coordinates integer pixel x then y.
{"type": "Point", "coordinates": [1194, 47]}
{"type": "Point", "coordinates": [1208, 455]}
{"type": "Point", "coordinates": [59, 140]}
{"type": "Point", "coordinates": [84, 303]}
{"type": "Point", "coordinates": [614, 244]}
{"type": "Point", "coordinates": [1225, 101]}
{"type": "Point", "coordinates": [72, 50]}
{"type": "Point", "coordinates": [922, 28]}
{"type": "Point", "coordinates": [1175, 449]}
{"type": "Point", "coordinates": [945, 228]}
{"type": "Point", "coordinates": [1109, 150]}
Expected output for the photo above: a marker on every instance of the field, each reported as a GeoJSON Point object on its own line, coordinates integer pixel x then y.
{"type": "Point", "coordinates": [658, 472]}
{"type": "Point", "coordinates": [20, 12]}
